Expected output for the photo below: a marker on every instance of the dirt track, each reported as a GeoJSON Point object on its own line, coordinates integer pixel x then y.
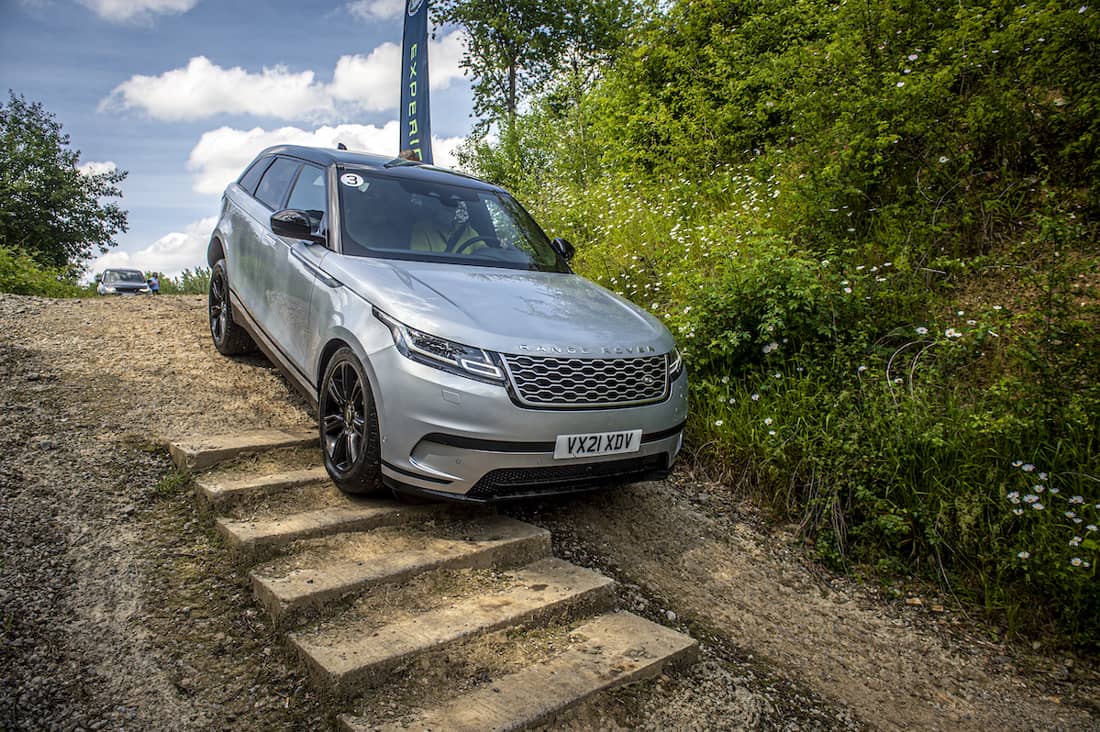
{"type": "Point", "coordinates": [119, 610]}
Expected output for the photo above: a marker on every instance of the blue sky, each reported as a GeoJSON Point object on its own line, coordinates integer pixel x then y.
{"type": "Point", "coordinates": [183, 93]}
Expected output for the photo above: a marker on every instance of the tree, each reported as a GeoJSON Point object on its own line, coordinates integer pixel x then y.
{"type": "Point", "coordinates": [514, 47]}
{"type": "Point", "coordinates": [49, 208]}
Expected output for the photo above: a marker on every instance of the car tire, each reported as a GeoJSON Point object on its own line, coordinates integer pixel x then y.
{"type": "Point", "coordinates": [348, 426]}
{"type": "Point", "coordinates": [229, 338]}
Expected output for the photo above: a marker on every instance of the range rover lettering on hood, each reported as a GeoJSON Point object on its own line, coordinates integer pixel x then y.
{"type": "Point", "coordinates": [580, 350]}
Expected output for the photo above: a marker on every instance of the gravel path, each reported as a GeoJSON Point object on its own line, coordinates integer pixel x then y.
{"type": "Point", "coordinates": [119, 608]}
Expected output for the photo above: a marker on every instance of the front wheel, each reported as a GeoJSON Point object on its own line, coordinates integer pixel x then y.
{"type": "Point", "coordinates": [348, 423]}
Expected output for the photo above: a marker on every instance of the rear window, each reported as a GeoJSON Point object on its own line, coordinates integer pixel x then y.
{"type": "Point", "coordinates": [273, 186]}
{"type": "Point", "coordinates": [251, 176]}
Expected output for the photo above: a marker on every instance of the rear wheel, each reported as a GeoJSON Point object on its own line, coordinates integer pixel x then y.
{"type": "Point", "coordinates": [229, 338]}
{"type": "Point", "coordinates": [348, 423]}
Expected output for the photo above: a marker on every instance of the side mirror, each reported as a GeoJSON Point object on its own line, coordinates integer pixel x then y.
{"type": "Point", "coordinates": [295, 224]}
{"type": "Point", "coordinates": [564, 248]}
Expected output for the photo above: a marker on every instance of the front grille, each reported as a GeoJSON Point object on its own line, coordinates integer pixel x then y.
{"type": "Point", "coordinates": [523, 482]}
{"type": "Point", "coordinates": [588, 382]}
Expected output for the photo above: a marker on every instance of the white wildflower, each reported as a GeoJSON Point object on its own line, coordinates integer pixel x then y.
{"type": "Point", "coordinates": [952, 333]}
{"type": "Point", "coordinates": [1031, 498]}
{"type": "Point", "coordinates": [1079, 500]}
{"type": "Point", "coordinates": [1024, 555]}
{"type": "Point", "coordinates": [1027, 468]}
{"type": "Point", "coordinates": [1076, 561]}
{"type": "Point", "coordinates": [768, 421]}
{"type": "Point", "coordinates": [755, 397]}
{"type": "Point", "coordinates": [718, 423]}
{"type": "Point", "coordinates": [1037, 506]}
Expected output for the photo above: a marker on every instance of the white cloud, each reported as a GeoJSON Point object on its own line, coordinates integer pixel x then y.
{"type": "Point", "coordinates": [203, 89]}
{"type": "Point", "coordinates": [121, 11]}
{"type": "Point", "coordinates": [170, 254]}
{"type": "Point", "coordinates": [221, 154]}
{"type": "Point", "coordinates": [371, 81]}
{"type": "Point", "coordinates": [93, 167]}
{"type": "Point", "coordinates": [376, 9]}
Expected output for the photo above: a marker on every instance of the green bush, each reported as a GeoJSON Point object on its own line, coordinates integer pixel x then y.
{"type": "Point", "coordinates": [20, 274]}
{"type": "Point", "coordinates": [872, 228]}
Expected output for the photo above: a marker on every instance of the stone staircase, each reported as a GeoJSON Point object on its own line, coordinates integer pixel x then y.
{"type": "Point", "coordinates": [370, 593]}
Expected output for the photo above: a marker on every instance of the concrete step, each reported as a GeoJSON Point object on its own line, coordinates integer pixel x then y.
{"type": "Point", "coordinates": [610, 651]}
{"type": "Point", "coordinates": [247, 536]}
{"type": "Point", "coordinates": [351, 563]}
{"type": "Point", "coordinates": [220, 492]}
{"type": "Point", "coordinates": [195, 454]}
{"type": "Point", "coordinates": [352, 653]}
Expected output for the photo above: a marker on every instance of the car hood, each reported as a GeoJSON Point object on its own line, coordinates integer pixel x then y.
{"type": "Point", "coordinates": [510, 311]}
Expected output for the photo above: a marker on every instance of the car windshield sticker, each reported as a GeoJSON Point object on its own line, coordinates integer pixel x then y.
{"type": "Point", "coordinates": [351, 179]}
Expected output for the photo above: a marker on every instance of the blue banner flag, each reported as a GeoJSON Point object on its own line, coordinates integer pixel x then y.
{"type": "Point", "coordinates": [416, 119]}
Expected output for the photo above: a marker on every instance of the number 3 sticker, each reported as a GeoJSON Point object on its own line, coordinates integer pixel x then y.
{"type": "Point", "coordinates": [351, 179]}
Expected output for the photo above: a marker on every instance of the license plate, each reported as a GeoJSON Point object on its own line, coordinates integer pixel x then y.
{"type": "Point", "coordinates": [597, 443]}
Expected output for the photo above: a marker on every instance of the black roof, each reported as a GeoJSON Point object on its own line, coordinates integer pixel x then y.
{"type": "Point", "coordinates": [396, 167]}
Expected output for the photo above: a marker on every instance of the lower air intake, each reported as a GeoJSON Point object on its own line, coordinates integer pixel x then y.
{"type": "Point", "coordinates": [524, 482]}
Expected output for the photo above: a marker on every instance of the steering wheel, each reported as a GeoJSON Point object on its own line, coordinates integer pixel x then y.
{"type": "Point", "coordinates": [490, 240]}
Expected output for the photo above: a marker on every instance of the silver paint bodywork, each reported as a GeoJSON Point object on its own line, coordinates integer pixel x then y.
{"type": "Point", "coordinates": [299, 299]}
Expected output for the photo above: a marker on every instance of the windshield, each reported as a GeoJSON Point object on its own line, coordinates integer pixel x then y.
{"type": "Point", "coordinates": [434, 222]}
{"type": "Point", "coordinates": [115, 277]}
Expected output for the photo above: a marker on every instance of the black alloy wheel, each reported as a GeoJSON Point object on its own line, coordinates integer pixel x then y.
{"type": "Point", "coordinates": [229, 338]}
{"type": "Point", "coordinates": [349, 426]}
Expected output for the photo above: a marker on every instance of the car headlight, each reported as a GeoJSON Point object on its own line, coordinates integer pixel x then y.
{"type": "Point", "coordinates": [431, 350]}
{"type": "Point", "coordinates": [675, 365]}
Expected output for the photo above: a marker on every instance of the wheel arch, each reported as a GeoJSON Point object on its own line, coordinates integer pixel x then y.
{"type": "Point", "coordinates": [214, 251]}
{"type": "Point", "coordinates": [345, 339]}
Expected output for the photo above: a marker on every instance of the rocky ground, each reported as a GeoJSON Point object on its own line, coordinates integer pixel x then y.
{"type": "Point", "coordinates": [120, 609]}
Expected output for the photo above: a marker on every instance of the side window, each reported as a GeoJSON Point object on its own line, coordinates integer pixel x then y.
{"type": "Point", "coordinates": [276, 180]}
{"type": "Point", "coordinates": [309, 191]}
{"type": "Point", "coordinates": [251, 176]}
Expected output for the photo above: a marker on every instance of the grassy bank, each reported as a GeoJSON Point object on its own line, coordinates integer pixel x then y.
{"type": "Point", "coordinates": [873, 231]}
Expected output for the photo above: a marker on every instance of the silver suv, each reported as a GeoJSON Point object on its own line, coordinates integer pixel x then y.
{"type": "Point", "coordinates": [447, 345]}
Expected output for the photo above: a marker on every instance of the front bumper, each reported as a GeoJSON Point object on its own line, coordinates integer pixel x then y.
{"type": "Point", "coordinates": [454, 437]}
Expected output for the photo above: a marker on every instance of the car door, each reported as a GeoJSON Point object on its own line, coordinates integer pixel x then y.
{"type": "Point", "coordinates": [302, 274]}
{"type": "Point", "coordinates": [240, 233]}
{"type": "Point", "coordinates": [262, 258]}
